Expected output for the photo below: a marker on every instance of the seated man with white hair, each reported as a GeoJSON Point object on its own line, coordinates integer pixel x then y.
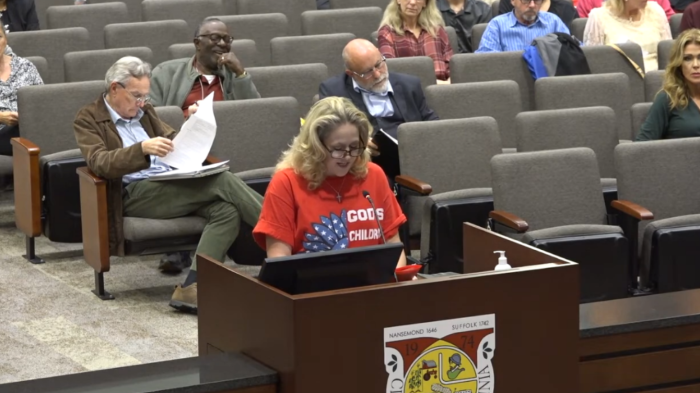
{"type": "Point", "coordinates": [388, 99]}
{"type": "Point", "coordinates": [122, 139]}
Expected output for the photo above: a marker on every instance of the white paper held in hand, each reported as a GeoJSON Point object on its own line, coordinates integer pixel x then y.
{"type": "Point", "coordinates": [193, 143]}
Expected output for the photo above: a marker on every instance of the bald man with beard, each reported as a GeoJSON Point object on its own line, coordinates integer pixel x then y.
{"type": "Point", "coordinates": [388, 99]}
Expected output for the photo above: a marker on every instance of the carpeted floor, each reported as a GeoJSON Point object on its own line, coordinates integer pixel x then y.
{"type": "Point", "coordinates": [51, 324]}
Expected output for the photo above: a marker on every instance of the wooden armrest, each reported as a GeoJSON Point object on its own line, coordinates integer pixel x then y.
{"type": "Point", "coordinates": [414, 184]}
{"type": "Point", "coordinates": [510, 220]}
{"type": "Point", "coordinates": [94, 218]}
{"type": "Point", "coordinates": [27, 182]}
{"type": "Point", "coordinates": [212, 160]}
{"type": "Point", "coordinates": [25, 144]}
{"type": "Point", "coordinates": [632, 209]}
{"type": "Point", "coordinates": [86, 174]}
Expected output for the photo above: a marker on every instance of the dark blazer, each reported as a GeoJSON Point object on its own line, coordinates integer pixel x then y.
{"type": "Point", "coordinates": [20, 15]}
{"type": "Point", "coordinates": [408, 95]}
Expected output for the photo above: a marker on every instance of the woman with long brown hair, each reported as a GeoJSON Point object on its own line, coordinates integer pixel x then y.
{"type": "Point", "coordinates": [675, 112]}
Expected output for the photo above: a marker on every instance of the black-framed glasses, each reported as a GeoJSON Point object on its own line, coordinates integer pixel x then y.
{"type": "Point", "coordinates": [341, 153]}
{"type": "Point", "coordinates": [526, 2]}
{"type": "Point", "coordinates": [215, 38]}
{"type": "Point", "coordinates": [377, 66]}
{"type": "Point", "coordinates": [140, 100]}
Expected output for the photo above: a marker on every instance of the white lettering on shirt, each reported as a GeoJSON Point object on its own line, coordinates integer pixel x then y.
{"type": "Point", "coordinates": [364, 215]}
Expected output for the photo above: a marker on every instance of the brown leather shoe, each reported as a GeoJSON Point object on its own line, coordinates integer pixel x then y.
{"type": "Point", "coordinates": [185, 299]}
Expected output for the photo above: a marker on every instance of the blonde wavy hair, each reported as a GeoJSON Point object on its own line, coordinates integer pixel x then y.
{"type": "Point", "coordinates": [675, 85]}
{"type": "Point", "coordinates": [307, 153]}
{"type": "Point", "coordinates": [617, 7]}
{"type": "Point", "coordinates": [430, 19]}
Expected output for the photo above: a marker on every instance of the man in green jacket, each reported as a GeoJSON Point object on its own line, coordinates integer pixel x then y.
{"type": "Point", "coordinates": [213, 69]}
{"type": "Point", "coordinates": [184, 82]}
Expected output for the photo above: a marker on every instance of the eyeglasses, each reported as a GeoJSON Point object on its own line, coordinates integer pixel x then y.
{"type": "Point", "coordinates": [377, 66]}
{"type": "Point", "coordinates": [341, 153]}
{"type": "Point", "coordinates": [215, 38]}
{"type": "Point", "coordinates": [139, 100]}
{"type": "Point", "coordinates": [527, 2]}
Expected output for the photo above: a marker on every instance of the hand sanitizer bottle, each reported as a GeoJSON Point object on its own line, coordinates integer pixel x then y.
{"type": "Point", "coordinates": [502, 261]}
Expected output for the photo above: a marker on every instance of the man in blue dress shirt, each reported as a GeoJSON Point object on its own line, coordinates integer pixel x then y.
{"type": "Point", "coordinates": [516, 30]}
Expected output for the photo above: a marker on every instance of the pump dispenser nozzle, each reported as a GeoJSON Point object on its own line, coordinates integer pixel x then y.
{"type": "Point", "coordinates": [502, 261]}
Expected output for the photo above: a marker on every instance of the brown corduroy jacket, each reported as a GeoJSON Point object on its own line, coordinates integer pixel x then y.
{"type": "Point", "coordinates": [102, 147]}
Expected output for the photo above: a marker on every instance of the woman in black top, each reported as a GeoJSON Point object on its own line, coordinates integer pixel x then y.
{"type": "Point", "coordinates": [19, 15]}
{"type": "Point", "coordinates": [564, 9]}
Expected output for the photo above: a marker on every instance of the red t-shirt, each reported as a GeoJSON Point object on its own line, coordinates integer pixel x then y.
{"type": "Point", "coordinates": [313, 221]}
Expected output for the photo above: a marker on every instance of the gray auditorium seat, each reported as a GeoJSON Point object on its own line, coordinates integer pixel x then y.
{"type": "Point", "coordinates": [260, 28]}
{"type": "Point", "coordinates": [42, 6]}
{"type": "Point", "coordinates": [335, 4]}
{"type": "Point", "coordinates": [603, 59]}
{"type": "Point", "coordinates": [244, 50]}
{"type": "Point", "coordinates": [495, 6]}
{"type": "Point", "coordinates": [50, 44]}
{"type": "Point", "coordinates": [477, 33]}
{"type": "Point", "coordinates": [675, 23]}
{"type": "Point", "coordinates": [179, 51]}
{"type": "Point", "coordinates": [93, 17]}
{"type": "Point", "coordinates": [581, 91]}
{"type": "Point", "coordinates": [230, 7]}
{"type": "Point", "coordinates": [420, 66]}
{"type": "Point", "coordinates": [497, 99]}
{"type": "Point", "coordinates": [41, 65]}
{"type": "Point", "coordinates": [664, 53]}
{"type": "Point", "coordinates": [326, 49]}
{"type": "Point", "coordinates": [93, 65]}
{"type": "Point", "coordinates": [359, 21]}
{"type": "Point", "coordinates": [452, 156]}
{"type": "Point", "coordinates": [639, 113]}
{"type": "Point", "coordinates": [157, 35]}
{"type": "Point", "coordinates": [171, 115]}
{"type": "Point", "coordinates": [592, 127]}
{"type": "Point", "coordinates": [485, 67]}
{"type": "Point", "coordinates": [558, 207]}
{"type": "Point", "coordinates": [48, 112]}
{"type": "Point", "coordinates": [133, 8]}
{"type": "Point", "coordinates": [192, 12]}
{"type": "Point", "coordinates": [578, 26]}
{"type": "Point", "coordinates": [298, 81]}
{"type": "Point", "coordinates": [291, 8]}
{"type": "Point", "coordinates": [660, 177]}
{"type": "Point", "coordinates": [653, 83]}
{"type": "Point", "coordinates": [252, 133]}
{"type": "Point", "coordinates": [452, 37]}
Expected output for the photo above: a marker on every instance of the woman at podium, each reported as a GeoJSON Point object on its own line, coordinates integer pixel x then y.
{"type": "Point", "coordinates": [320, 197]}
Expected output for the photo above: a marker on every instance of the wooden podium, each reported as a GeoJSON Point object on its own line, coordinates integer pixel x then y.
{"type": "Point", "coordinates": [335, 341]}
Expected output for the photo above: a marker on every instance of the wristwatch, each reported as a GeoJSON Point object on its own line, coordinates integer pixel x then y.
{"type": "Point", "coordinates": [243, 75]}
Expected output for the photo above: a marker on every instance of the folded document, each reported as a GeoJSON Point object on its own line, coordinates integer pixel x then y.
{"type": "Point", "coordinates": [190, 173]}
